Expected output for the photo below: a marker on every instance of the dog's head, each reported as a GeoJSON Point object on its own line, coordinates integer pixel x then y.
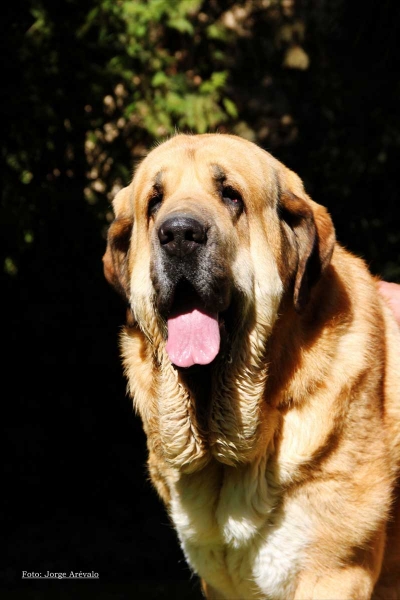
{"type": "Point", "coordinates": [210, 235]}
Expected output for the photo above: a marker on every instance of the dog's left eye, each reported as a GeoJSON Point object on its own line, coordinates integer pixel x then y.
{"type": "Point", "coordinates": [232, 197]}
{"type": "Point", "coordinates": [155, 203]}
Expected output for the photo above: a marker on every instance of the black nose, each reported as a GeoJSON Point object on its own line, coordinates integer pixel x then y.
{"type": "Point", "coordinates": [180, 235]}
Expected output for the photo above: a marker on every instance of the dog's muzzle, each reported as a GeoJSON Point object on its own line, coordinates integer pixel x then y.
{"type": "Point", "coordinates": [189, 288]}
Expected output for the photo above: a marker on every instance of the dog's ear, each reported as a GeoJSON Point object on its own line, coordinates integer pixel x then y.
{"type": "Point", "coordinates": [314, 236]}
{"type": "Point", "coordinates": [116, 256]}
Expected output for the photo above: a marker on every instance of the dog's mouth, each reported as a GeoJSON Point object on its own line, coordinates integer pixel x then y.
{"type": "Point", "coordinates": [193, 329]}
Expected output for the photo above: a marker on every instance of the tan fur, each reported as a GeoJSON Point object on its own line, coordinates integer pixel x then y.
{"type": "Point", "coordinates": [288, 451]}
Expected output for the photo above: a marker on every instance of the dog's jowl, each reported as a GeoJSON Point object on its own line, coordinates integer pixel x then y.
{"type": "Point", "coordinates": [265, 368]}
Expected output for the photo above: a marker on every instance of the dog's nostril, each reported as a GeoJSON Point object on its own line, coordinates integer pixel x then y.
{"type": "Point", "coordinates": [165, 235]}
{"type": "Point", "coordinates": [191, 236]}
{"type": "Point", "coordinates": [180, 235]}
{"type": "Point", "coordinates": [195, 235]}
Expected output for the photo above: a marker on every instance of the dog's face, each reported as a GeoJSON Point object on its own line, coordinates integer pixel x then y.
{"type": "Point", "coordinates": [208, 238]}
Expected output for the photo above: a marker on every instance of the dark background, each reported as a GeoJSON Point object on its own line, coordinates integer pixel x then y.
{"type": "Point", "coordinates": [75, 491]}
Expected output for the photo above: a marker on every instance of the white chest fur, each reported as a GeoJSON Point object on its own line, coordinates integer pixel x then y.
{"type": "Point", "coordinates": [235, 534]}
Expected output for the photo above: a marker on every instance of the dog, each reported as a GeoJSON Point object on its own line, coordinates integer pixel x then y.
{"type": "Point", "coordinates": [265, 367]}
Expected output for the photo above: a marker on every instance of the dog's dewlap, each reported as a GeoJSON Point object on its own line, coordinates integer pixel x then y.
{"type": "Point", "coordinates": [193, 338]}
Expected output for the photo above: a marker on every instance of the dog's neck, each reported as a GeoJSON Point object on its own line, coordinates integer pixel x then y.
{"type": "Point", "coordinates": [298, 357]}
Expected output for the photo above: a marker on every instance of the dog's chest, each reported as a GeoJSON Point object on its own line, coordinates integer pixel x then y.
{"type": "Point", "coordinates": [236, 535]}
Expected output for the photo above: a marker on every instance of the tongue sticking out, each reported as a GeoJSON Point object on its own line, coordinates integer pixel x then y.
{"type": "Point", "coordinates": [193, 338]}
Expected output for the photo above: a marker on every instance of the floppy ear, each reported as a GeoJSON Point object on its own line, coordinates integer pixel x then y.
{"type": "Point", "coordinates": [116, 256]}
{"type": "Point", "coordinates": [314, 236]}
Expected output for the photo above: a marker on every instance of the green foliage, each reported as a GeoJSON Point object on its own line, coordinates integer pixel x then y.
{"type": "Point", "coordinates": [161, 77]}
{"type": "Point", "coordinates": [164, 87]}
{"type": "Point", "coordinates": [100, 81]}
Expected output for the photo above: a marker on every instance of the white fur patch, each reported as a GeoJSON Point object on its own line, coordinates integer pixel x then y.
{"type": "Point", "coordinates": [235, 536]}
{"type": "Point", "coordinates": [279, 557]}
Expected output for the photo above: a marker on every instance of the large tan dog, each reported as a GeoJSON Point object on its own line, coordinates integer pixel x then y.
{"type": "Point", "coordinates": [266, 370]}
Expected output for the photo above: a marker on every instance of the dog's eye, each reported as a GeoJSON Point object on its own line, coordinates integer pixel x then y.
{"type": "Point", "coordinates": [231, 197]}
{"type": "Point", "coordinates": [155, 203]}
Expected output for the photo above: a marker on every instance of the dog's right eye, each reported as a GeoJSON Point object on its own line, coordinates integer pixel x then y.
{"type": "Point", "coordinates": [155, 203]}
{"type": "Point", "coordinates": [232, 199]}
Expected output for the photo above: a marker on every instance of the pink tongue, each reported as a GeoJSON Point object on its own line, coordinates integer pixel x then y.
{"type": "Point", "coordinates": [193, 338]}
